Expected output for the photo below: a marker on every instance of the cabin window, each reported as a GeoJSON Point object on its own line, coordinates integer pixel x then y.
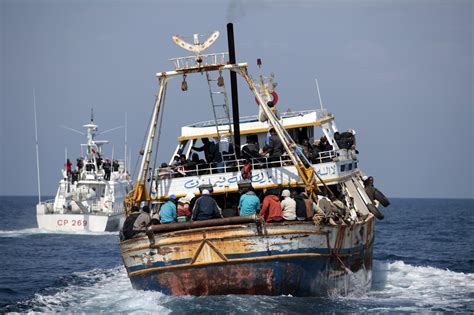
{"type": "Point", "coordinates": [349, 166]}
{"type": "Point", "coordinates": [343, 168]}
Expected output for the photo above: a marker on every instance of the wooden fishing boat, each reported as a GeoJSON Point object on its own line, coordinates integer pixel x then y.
{"type": "Point", "coordinates": [245, 254]}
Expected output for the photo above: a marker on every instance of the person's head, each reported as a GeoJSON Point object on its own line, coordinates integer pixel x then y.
{"type": "Point", "coordinates": [135, 209]}
{"type": "Point", "coordinates": [173, 198]}
{"type": "Point", "coordinates": [246, 162]}
{"type": "Point", "coordinates": [305, 142]}
{"type": "Point", "coordinates": [182, 158]}
{"type": "Point", "coordinates": [323, 139]}
{"type": "Point", "coordinates": [176, 158]}
{"type": "Point", "coordinates": [351, 131]}
{"type": "Point", "coordinates": [272, 131]}
{"type": "Point", "coordinates": [195, 157]}
{"type": "Point", "coordinates": [286, 193]}
{"type": "Point", "coordinates": [189, 197]}
{"type": "Point", "coordinates": [270, 104]}
{"type": "Point", "coordinates": [370, 179]}
{"type": "Point", "coordinates": [205, 192]}
{"type": "Point", "coordinates": [205, 140]}
{"type": "Point", "coordinates": [294, 193]}
{"type": "Point", "coordinates": [164, 165]}
{"type": "Point", "coordinates": [323, 192]}
{"type": "Point", "coordinates": [146, 209]}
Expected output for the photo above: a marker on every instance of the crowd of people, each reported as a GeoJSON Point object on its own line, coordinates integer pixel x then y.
{"type": "Point", "coordinates": [273, 205]}
{"type": "Point", "coordinates": [105, 165]}
{"type": "Point", "coordinates": [218, 155]}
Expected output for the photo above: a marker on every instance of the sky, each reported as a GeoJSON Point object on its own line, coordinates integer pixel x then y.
{"type": "Point", "coordinates": [398, 72]}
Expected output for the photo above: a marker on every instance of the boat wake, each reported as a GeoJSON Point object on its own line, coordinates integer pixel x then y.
{"type": "Point", "coordinates": [95, 291]}
{"type": "Point", "coordinates": [401, 287]}
{"type": "Point", "coordinates": [35, 231]}
{"type": "Point", "coordinates": [396, 287]}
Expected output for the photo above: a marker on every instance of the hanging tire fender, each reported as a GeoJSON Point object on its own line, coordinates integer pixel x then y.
{"type": "Point", "coordinates": [380, 197]}
{"type": "Point", "coordinates": [375, 211]}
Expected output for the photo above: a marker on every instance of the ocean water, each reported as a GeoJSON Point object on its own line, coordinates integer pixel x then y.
{"type": "Point", "coordinates": [423, 263]}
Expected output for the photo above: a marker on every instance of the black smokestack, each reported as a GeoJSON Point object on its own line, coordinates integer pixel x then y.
{"type": "Point", "coordinates": [233, 89]}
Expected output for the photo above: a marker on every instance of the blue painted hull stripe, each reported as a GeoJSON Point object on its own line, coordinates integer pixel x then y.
{"type": "Point", "coordinates": [358, 249]}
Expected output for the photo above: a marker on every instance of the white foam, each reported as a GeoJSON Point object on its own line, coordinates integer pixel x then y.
{"type": "Point", "coordinates": [34, 231]}
{"type": "Point", "coordinates": [415, 288]}
{"type": "Point", "coordinates": [110, 292]}
{"type": "Point", "coordinates": [397, 287]}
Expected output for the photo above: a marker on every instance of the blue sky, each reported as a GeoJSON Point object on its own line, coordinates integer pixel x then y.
{"type": "Point", "coordinates": [398, 72]}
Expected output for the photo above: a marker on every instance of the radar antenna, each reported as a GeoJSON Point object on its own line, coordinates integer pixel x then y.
{"type": "Point", "coordinates": [196, 47]}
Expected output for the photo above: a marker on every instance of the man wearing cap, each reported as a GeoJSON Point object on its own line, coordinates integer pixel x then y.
{"type": "Point", "coordinates": [206, 207]}
{"type": "Point", "coordinates": [288, 206]}
{"type": "Point", "coordinates": [168, 211]}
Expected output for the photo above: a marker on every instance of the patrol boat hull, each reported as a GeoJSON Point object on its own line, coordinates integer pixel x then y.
{"type": "Point", "coordinates": [297, 258]}
{"type": "Point", "coordinates": [77, 222]}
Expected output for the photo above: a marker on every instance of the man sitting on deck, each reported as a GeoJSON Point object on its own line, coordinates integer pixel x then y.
{"type": "Point", "coordinates": [206, 207]}
{"type": "Point", "coordinates": [168, 211]}
{"type": "Point", "coordinates": [249, 203]}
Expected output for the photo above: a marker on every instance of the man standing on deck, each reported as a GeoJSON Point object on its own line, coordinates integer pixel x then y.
{"type": "Point", "coordinates": [274, 147]}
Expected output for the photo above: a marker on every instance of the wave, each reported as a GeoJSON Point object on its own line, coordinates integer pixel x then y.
{"type": "Point", "coordinates": [34, 231]}
{"type": "Point", "coordinates": [409, 288]}
{"type": "Point", "coordinates": [397, 287]}
{"type": "Point", "coordinates": [95, 291]}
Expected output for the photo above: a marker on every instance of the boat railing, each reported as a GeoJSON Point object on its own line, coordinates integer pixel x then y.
{"type": "Point", "coordinates": [230, 164]}
{"type": "Point", "coordinates": [214, 59]}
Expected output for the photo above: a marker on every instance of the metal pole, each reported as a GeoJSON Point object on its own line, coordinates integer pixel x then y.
{"type": "Point", "coordinates": [37, 148]}
{"type": "Point", "coordinates": [234, 91]}
{"type": "Point", "coordinates": [125, 154]}
{"type": "Point", "coordinates": [319, 94]}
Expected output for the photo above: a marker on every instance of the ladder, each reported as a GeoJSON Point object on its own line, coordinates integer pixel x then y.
{"type": "Point", "coordinates": [220, 107]}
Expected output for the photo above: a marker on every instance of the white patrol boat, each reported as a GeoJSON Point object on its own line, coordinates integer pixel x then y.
{"type": "Point", "coordinates": [89, 197]}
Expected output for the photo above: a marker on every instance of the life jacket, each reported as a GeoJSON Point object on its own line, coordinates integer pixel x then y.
{"type": "Point", "coordinates": [246, 172]}
{"type": "Point", "coordinates": [127, 229]}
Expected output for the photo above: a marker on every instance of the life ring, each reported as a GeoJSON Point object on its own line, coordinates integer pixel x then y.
{"type": "Point", "coordinates": [274, 98]}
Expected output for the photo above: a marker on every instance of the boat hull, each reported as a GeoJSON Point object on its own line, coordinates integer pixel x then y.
{"type": "Point", "coordinates": [78, 222]}
{"type": "Point", "coordinates": [297, 259]}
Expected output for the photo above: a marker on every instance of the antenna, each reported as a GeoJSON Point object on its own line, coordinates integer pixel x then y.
{"type": "Point", "coordinates": [319, 94]}
{"type": "Point", "coordinates": [125, 154]}
{"type": "Point", "coordinates": [37, 148]}
{"type": "Point", "coordinates": [92, 115]}
{"type": "Point", "coordinates": [72, 129]}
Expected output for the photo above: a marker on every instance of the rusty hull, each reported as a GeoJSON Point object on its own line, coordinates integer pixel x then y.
{"type": "Point", "coordinates": [297, 258]}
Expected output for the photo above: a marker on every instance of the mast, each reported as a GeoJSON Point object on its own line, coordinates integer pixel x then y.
{"type": "Point", "coordinates": [299, 160]}
{"type": "Point", "coordinates": [37, 148]}
{"type": "Point", "coordinates": [140, 192]}
{"type": "Point", "coordinates": [234, 90]}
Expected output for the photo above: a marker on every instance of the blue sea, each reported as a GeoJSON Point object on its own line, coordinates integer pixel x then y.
{"type": "Point", "coordinates": [423, 263]}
